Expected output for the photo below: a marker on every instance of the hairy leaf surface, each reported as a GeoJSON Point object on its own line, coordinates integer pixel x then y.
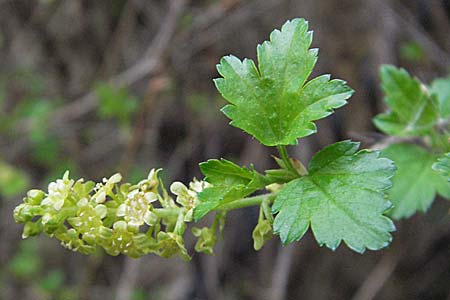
{"type": "Point", "coordinates": [415, 183]}
{"type": "Point", "coordinates": [274, 102]}
{"type": "Point", "coordinates": [413, 111]}
{"type": "Point", "coordinates": [342, 199]}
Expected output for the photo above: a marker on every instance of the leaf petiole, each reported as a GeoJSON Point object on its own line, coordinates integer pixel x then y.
{"type": "Point", "coordinates": [287, 161]}
{"type": "Point", "coordinates": [246, 202]}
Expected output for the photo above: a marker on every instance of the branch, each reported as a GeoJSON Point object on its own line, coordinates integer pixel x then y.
{"type": "Point", "coordinates": [407, 21]}
{"type": "Point", "coordinates": [280, 277]}
{"type": "Point", "coordinates": [127, 279]}
{"type": "Point", "coordinates": [377, 277]}
{"type": "Point", "coordinates": [144, 67]}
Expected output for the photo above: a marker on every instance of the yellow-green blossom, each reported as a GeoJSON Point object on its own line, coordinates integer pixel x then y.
{"type": "Point", "coordinates": [262, 232]}
{"type": "Point", "coordinates": [34, 197]}
{"type": "Point", "coordinates": [58, 192]}
{"type": "Point", "coordinates": [105, 188]}
{"type": "Point", "coordinates": [70, 240]}
{"type": "Point", "coordinates": [206, 239]}
{"type": "Point", "coordinates": [85, 216]}
{"type": "Point", "coordinates": [151, 183]}
{"type": "Point", "coordinates": [170, 244]}
{"type": "Point", "coordinates": [137, 209]}
{"type": "Point", "coordinates": [120, 240]}
{"type": "Point", "coordinates": [88, 220]}
{"type": "Point", "coordinates": [188, 197]}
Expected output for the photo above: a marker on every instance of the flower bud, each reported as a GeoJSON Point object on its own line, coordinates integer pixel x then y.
{"type": "Point", "coordinates": [31, 229]}
{"type": "Point", "coordinates": [206, 239]}
{"type": "Point", "coordinates": [34, 197]}
{"type": "Point", "coordinates": [170, 244]}
{"type": "Point", "coordinates": [262, 232]}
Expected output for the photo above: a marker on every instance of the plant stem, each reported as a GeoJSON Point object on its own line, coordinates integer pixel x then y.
{"type": "Point", "coordinates": [236, 204]}
{"type": "Point", "coordinates": [246, 202]}
{"type": "Point", "coordinates": [285, 157]}
{"type": "Point", "coordinates": [167, 212]}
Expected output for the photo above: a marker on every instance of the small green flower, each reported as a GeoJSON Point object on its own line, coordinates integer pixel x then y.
{"type": "Point", "coordinates": [25, 212]}
{"type": "Point", "coordinates": [88, 220]}
{"type": "Point", "coordinates": [143, 244]}
{"type": "Point", "coordinates": [34, 197]}
{"type": "Point", "coordinates": [262, 232]}
{"type": "Point", "coordinates": [104, 189]}
{"type": "Point", "coordinates": [170, 244]}
{"type": "Point", "coordinates": [185, 196]}
{"type": "Point", "coordinates": [120, 240]}
{"type": "Point", "coordinates": [58, 192]}
{"type": "Point", "coordinates": [188, 197]}
{"type": "Point", "coordinates": [151, 183]}
{"type": "Point", "coordinates": [32, 229]}
{"type": "Point", "coordinates": [206, 239]}
{"type": "Point", "coordinates": [198, 185]}
{"type": "Point", "coordinates": [82, 189]}
{"type": "Point", "coordinates": [116, 240]}
{"type": "Point", "coordinates": [137, 209]}
{"type": "Point", "coordinates": [70, 240]}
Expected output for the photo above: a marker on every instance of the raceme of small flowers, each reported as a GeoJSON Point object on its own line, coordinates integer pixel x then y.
{"type": "Point", "coordinates": [121, 218]}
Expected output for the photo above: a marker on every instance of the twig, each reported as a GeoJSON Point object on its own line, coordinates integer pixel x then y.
{"type": "Point", "coordinates": [92, 265]}
{"type": "Point", "coordinates": [407, 21]}
{"type": "Point", "coordinates": [212, 34]}
{"type": "Point", "coordinates": [127, 279]}
{"type": "Point", "coordinates": [280, 277]}
{"type": "Point", "coordinates": [144, 67]}
{"type": "Point", "coordinates": [180, 154]}
{"type": "Point", "coordinates": [148, 65]}
{"type": "Point", "coordinates": [390, 140]}
{"type": "Point", "coordinates": [377, 277]}
{"type": "Point", "coordinates": [155, 87]}
{"type": "Point", "coordinates": [379, 141]}
{"type": "Point", "coordinates": [116, 42]}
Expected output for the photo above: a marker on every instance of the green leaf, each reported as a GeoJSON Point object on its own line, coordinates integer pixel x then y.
{"type": "Point", "coordinates": [230, 182]}
{"type": "Point", "coordinates": [415, 183]}
{"type": "Point", "coordinates": [441, 88]}
{"type": "Point", "coordinates": [342, 199]}
{"type": "Point", "coordinates": [443, 165]}
{"type": "Point", "coordinates": [275, 104]}
{"type": "Point", "coordinates": [413, 111]}
{"type": "Point", "coordinates": [224, 172]}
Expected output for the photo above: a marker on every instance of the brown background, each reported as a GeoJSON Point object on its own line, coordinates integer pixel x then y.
{"type": "Point", "coordinates": [164, 53]}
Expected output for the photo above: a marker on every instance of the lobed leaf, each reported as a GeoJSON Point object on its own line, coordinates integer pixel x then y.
{"type": "Point", "coordinates": [342, 199]}
{"type": "Point", "coordinates": [415, 184]}
{"type": "Point", "coordinates": [274, 103]}
{"type": "Point", "coordinates": [413, 110]}
{"type": "Point", "coordinates": [224, 172]}
{"type": "Point", "coordinates": [230, 182]}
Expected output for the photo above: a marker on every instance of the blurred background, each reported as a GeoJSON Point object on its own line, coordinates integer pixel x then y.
{"type": "Point", "coordinates": [103, 86]}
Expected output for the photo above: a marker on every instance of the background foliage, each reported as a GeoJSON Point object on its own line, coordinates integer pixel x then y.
{"type": "Point", "coordinates": [106, 86]}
